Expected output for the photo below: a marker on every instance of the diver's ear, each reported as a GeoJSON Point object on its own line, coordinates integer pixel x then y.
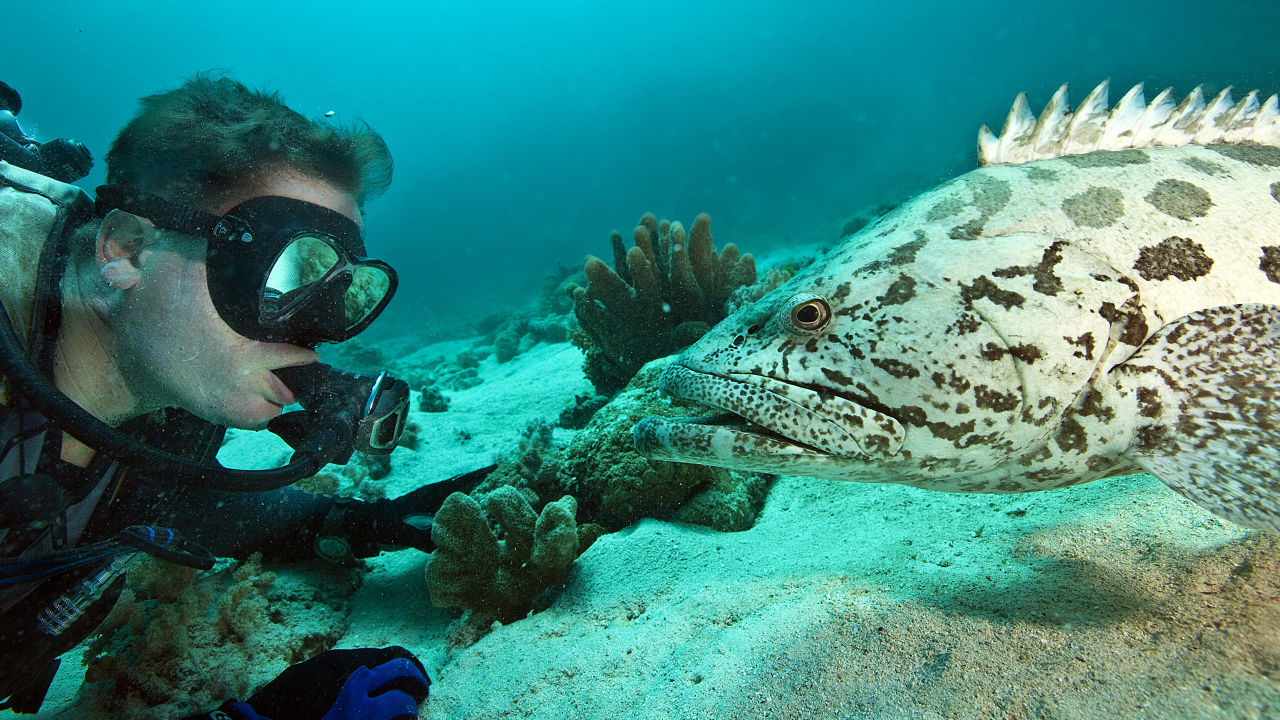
{"type": "Point", "coordinates": [119, 245]}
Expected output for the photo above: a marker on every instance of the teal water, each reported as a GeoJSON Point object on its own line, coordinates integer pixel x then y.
{"type": "Point", "coordinates": [524, 132]}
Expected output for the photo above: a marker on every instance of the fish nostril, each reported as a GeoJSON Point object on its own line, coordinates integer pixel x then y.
{"type": "Point", "coordinates": [737, 341]}
{"type": "Point", "coordinates": [753, 329]}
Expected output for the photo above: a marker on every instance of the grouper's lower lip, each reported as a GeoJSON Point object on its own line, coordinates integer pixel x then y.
{"type": "Point", "coordinates": [791, 419]}
{"type": "Point", "coordinates": [722, 440]}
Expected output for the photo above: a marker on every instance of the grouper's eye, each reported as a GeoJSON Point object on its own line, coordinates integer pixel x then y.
{"type": "Point", "coordinates": [809, 314]}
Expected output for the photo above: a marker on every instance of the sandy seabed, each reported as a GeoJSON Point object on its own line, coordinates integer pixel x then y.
{"type": "Point", "coordinates": [1113, 599]}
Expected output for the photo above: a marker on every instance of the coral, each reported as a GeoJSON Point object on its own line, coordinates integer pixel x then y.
{"type": "Point", "coordinates": [659, 297]}
{"type": "Point", "coordinates": [500, 549]}
{"type": "Point", "coordinates": [243, 608]}
{"type": "Point", "coordinates": [577, 415]}
{"type": "Point", "coordinates": [460, 379]}
{"type": "Point", "coordinates": [554, 329]}
{"type": "Point", "coordinates": [411, 438]}
{"type": "Point", "coordinates": [322, 483]}
{"type": "Point", "coordinates": [181, 641]}
{"type": "Point", "coordinates": [357, 479]}
{"type": "Point", "coordinates": [355, 356]}
{"type": "Point", "coordinates": [507, 344]}
{"type": "Point", "coordinates": [378, 466]}
{"type": "Point", "coordinates": [531, 466]}
{"type": "Point", "coordinates": [467, 360]}
{"type": "Point", "coordinates": [555, 297]}
{"type": "Point", "coordinates": [748, 294]}
{"type": "Point", "coordinates": [616, 486]}
{"type": "Point", "coordinates": [495, 555]}
{"type": "Point", "coordinates": [519, 332]}
{"type": "Point", "coordinates": [730, 502]}
{"type": "Point", "coordinates": [432, 399]}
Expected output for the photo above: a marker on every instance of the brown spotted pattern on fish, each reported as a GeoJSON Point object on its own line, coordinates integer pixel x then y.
{"type": "Point", "coordinates": [1028, 326]}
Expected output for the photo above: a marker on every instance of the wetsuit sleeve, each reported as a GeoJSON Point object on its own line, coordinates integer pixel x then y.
{"type": "Point", "coordinates": [282, 524]}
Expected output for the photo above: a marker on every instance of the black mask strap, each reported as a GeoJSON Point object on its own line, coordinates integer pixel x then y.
{"type": "Point", "coordinates": [170, 215]}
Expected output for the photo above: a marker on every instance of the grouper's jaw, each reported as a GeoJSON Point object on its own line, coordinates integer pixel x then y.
{"type": "Point", "coordinates": [779, 426]}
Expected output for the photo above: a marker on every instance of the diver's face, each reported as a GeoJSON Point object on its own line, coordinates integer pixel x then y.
{"type": "Point", "coordinates": [189, 355]}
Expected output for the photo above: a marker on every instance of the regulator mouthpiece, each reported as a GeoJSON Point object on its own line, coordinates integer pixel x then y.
{"type": "Point", "coordinates": [343, 412]}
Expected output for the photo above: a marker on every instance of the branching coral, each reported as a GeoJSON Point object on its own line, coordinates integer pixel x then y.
{"type": "Point", "coordinates": [660, 296]}
{"type": "Point", "coordinates": [496, 555]}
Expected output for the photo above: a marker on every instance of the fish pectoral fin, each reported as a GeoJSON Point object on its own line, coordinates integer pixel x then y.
{"type": "Point", "coordinates": [1207, 388]}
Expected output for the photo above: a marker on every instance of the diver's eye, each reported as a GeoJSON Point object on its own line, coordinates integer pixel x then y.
{"type": "Point", "coordinates": [811, 314]}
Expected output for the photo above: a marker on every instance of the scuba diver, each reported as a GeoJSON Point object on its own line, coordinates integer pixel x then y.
{"type": "Point", "coordinates": [226, 244]}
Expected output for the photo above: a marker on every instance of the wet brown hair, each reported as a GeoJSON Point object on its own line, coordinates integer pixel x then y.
{"type": "Point", "coordinates": [212, 136]}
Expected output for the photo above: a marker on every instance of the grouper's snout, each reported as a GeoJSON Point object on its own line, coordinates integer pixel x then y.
{"type": "Point", "coordinates": [769, 416]}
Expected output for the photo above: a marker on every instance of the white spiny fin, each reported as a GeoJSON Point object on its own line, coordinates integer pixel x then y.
{"type": "Point", "coordinates": [1175, 131]}
{"type": "Point", "coordinates": [1266, 125]}
{"type": "Point", "coordinates": [1243, 112]}
{"type": "Point", "coordinates": [1208, 388]}
{"type": "Point", "coordinates": [988, 147]}
{"type": "Point", "coordinates": [1051, 125]}
{"type": "Point", "coordinates": [1152, 118]}
{"type": "Point", "coordinates": [1085, 128]}
{"type": "Point", "coordinates": [1131, 124]}
{"type": "Point", "coordinates": [1123, 116]}
{"type": "Point", "coordinates": [1212, 120]}
{"type": "Point", "coordinates": [1238, 121]}
{"type": "Point", "coordinates": [1016, 125]}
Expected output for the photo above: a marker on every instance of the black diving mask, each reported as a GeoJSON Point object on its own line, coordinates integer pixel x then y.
{"type": "Point", "coordinates": [279, 269]}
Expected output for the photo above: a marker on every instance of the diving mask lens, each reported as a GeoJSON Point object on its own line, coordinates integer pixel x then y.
{"type": "Point", "coordinates": [311, 274]}
{"type": "Point", "coordinates": [279, 269]}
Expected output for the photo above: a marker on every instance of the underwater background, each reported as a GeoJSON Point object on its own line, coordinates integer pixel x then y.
{"type": "Point", "coordinates": [524, 132]}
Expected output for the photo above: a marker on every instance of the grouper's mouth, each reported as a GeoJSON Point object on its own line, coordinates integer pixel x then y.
{"type": "Point", "coordinates": [767, 418]}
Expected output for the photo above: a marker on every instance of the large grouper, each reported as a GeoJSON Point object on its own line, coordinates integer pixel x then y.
{"type": "Point", "coordinates": [1101, 296]}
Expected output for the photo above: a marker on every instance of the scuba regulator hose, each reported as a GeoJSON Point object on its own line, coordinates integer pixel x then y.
{"type": "Point", "coordinates": [329, 437]}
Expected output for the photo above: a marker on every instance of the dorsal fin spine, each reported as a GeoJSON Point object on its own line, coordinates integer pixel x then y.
{"type": "Point", "coordinates": [1131, 123]}
{"type": "Point", "coordinates": [1052, 121]}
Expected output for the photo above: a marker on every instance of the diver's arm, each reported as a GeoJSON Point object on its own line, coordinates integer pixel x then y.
{"type": "Point", "coordinates": [289, 524]}
{"type": "Point", "coordinates": [282, 524]}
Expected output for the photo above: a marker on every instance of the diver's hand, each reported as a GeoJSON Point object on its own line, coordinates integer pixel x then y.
{"type": "Point", "coordinates": [366, 684]}
{"type": "Point", "coordinates": [369, 527]}
{"type": "Point", "coordinates": [380, 693]}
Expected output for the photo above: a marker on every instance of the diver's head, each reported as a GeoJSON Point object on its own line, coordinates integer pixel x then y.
{"type": "Point", "coordinates": [204, 159]}
{"type": "Point", "coordinates": [231, 244]}
{"type": "Point", "coordinates": [213, 138]}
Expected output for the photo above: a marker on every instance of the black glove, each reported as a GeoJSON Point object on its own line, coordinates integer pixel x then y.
{"type": "Point", "coordinates": [355, 529]}
{"type": "Point", "coordinates": [366, 684]}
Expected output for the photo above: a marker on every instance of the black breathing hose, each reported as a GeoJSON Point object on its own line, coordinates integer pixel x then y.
{"type": "Point", "coordinates": [45, 397]}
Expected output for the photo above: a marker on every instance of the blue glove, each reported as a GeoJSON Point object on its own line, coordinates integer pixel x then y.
{"type": "Point", "coordinates": [368, 694]}
{"type": "Point", "coordinates": [367, 684]}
